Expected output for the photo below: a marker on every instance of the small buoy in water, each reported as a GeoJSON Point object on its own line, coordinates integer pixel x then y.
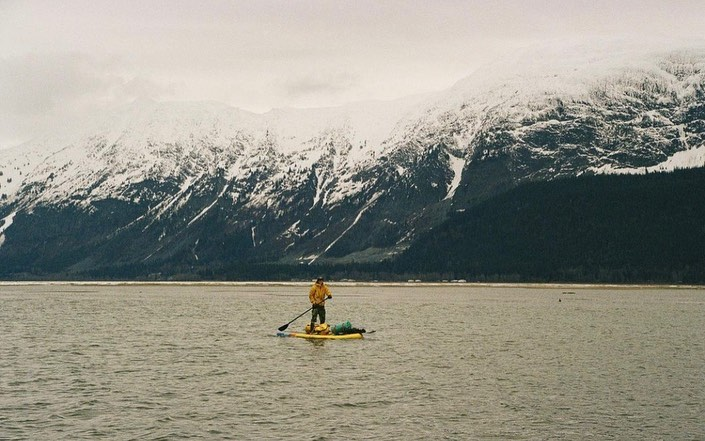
{"type": "Point", "coordinates": [559, 300]}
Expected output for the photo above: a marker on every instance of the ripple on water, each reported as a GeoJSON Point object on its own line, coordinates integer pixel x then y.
{"type": "Point", "coordinates": [183, 362]}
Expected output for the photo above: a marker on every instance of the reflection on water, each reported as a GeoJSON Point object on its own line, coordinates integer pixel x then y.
{"type": "Point", "coordinates": [445, 362]}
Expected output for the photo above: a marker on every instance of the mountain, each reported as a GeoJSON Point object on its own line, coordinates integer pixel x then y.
{"type": "Point", "coordinates": [168, 187]}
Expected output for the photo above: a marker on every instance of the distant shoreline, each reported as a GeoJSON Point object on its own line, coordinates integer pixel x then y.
{"type": "Point", "coordinates": [577, 286]}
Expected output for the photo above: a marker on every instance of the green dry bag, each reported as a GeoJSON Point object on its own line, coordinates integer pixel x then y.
{"type": "Point", "coordinates": [342, 328]}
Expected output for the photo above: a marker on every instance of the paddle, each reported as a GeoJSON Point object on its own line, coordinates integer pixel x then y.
{"type": "Point", "coordinates": [283, 327]}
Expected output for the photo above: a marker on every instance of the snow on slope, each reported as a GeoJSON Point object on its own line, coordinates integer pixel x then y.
{"type": "Point", "coordinates": [521, 87]}
{"type": "Point", "coordinates": [521, 81]}
{"type": "Point", "coordinates": [5, 224]}
{"type": "Point", "coordinates": [147, 139]}
{"type": "Point", "coordinates": [685, 159]}
{"type": "Point", "coordinates": [368, 124]}
{"type": "Point", "coordinates": [566, 69]}
{"type": "Point", "coordinates": [154, 140]}
{"type": "Point", "coordinates": [17, 163]}
{"type": "Point", "coordinates": [456, 165]}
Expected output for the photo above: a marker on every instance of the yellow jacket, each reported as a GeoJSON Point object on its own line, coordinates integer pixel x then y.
{"type": "Point", "coordinates": [318, 294]}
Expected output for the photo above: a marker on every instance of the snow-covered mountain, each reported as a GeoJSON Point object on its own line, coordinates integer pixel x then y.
{"type": "Point", "coordinates": [205, 183]}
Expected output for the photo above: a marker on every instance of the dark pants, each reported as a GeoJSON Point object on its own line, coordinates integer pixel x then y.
{"type": "Point", "coordinates": [320, 312]}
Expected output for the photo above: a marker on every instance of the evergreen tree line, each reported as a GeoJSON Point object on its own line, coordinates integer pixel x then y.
{"type": "Point", "coordinates": [616, 229]}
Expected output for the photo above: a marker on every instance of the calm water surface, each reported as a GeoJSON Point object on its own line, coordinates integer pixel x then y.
{"type": "Point", "coordinates": [458, 363]}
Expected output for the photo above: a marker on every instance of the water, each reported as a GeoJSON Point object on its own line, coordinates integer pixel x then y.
{"type": "Point", "coordinates": [458, 363]}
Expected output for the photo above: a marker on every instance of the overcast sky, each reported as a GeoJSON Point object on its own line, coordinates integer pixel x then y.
{"type": "Point", "coordinates": [60, 60]}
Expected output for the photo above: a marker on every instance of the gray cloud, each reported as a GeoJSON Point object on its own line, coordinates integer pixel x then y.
{"type": "Point", "coordinates": [39, 92]}
{"type": "Point", "coordinates": [64, 59]}
{"type": "Point", "coordinates": [315, 85]}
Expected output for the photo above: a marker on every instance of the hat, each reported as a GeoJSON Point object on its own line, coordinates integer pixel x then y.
{"type": "Point", "coordinates": [320, 279]}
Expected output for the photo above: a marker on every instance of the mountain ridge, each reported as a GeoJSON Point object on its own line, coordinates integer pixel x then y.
{"type": "Point", "coordinates": [208, 181]}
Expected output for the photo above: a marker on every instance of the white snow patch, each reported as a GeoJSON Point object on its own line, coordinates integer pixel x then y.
{"type": "Point", "coordinates": [293, 230]}
{"type": "Point", "coordinates": [294, 227]}
{"type": "Point", "coordinates": [6, 222]}
{"type": "Point", "coordinates": [254, 243]}
{"type": "Point", "coordinates": [685, 159]}
{"type": "Point", "coordinates": [310, 258]}
{"type": "Point", "coordinates": [692, 158]}
{"type": "Point", "coordinates": [456, 165]}
{"type": "Point", "coordinates": [343, 189]}
{"type": "Point", "coordinates": [319, 188]}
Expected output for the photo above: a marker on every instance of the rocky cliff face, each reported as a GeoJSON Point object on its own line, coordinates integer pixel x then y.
{"type": "Point", "coordinates": [206, 184]}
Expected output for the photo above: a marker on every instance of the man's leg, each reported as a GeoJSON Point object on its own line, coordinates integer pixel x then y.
{"type": "Point", "coordinates": [314, 314]}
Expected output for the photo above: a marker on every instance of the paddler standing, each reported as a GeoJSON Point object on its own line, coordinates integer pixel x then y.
{"type": "Point", "coordinates": [317, 295]}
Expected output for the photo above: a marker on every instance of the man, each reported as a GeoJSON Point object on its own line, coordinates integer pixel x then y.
{"type": "Point", "coordinates": [317, 295]}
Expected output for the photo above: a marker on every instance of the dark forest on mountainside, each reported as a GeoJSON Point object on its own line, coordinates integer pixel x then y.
{"type": "Point", "coordinates": [619, 229]}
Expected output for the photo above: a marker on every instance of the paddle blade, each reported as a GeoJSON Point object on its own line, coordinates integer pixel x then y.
{"type": "Point", "coordinates": [283, 327]}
